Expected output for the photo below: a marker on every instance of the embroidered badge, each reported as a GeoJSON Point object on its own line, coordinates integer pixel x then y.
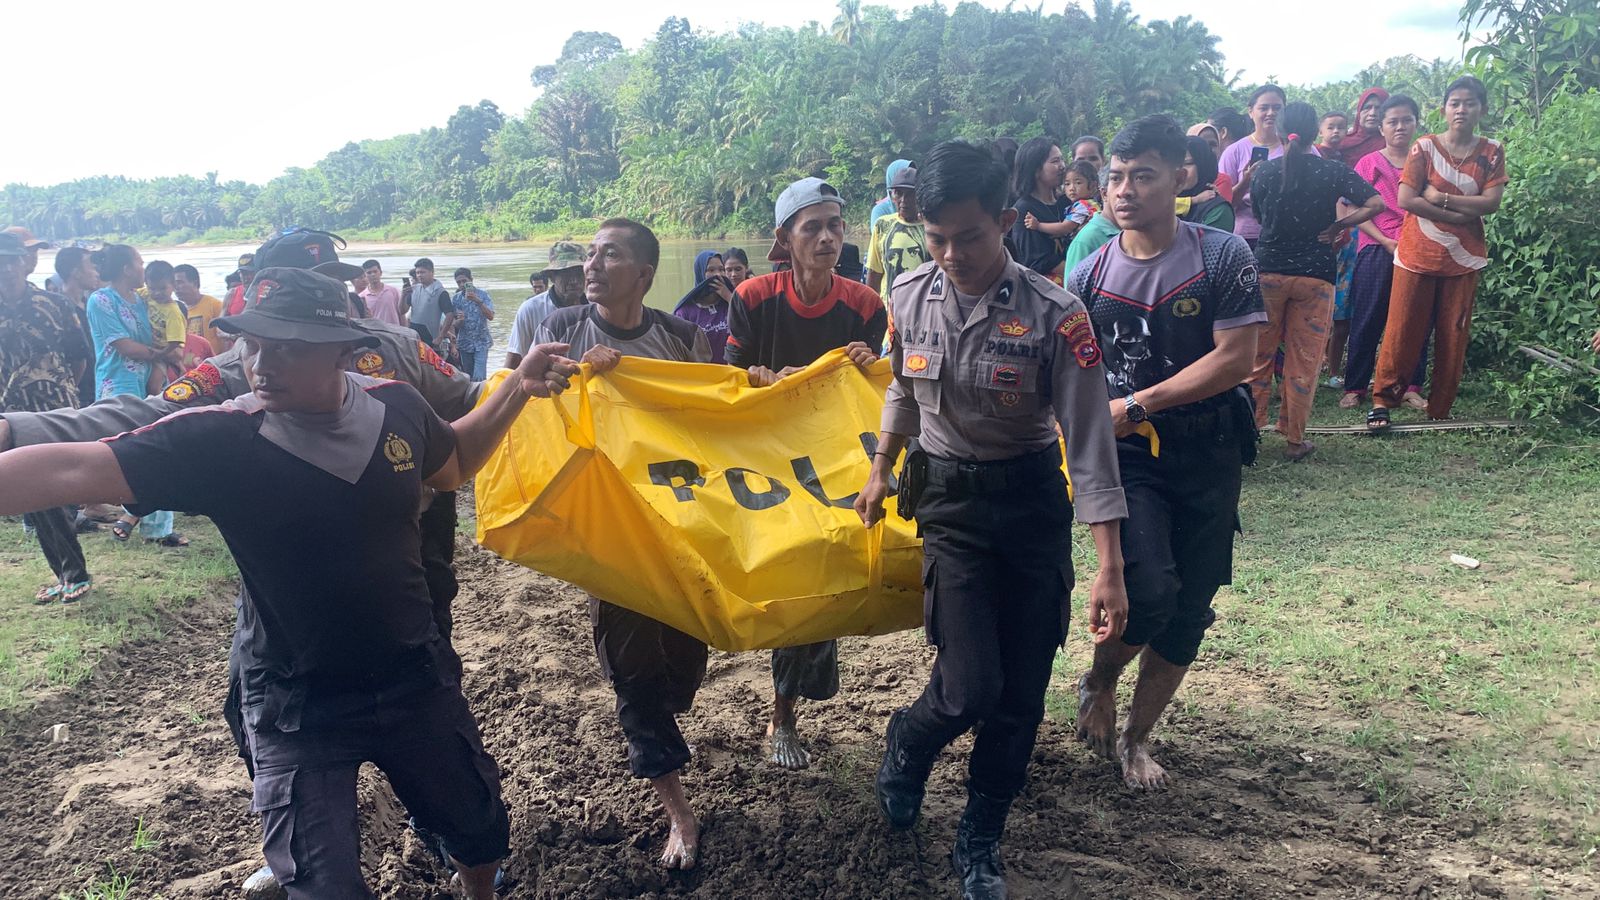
{"type": "Point", "coordinates": [264, 287]}
{"type": "Point", "coordinates": [937, 288]}
{"type": "Point", "coordinates": [180, 391]}
{"type": "Point", "coordinates": [1010, 398]}
{"type": "Point", "coordinates": [1075, 323]}
{"type": "Point", "coordinates": [1002, 297]}
{"type": "Point", "coordinates": [1014, 328]}
{"type": "Point", "coordinates": [398, 453]}
{"type": "Point", "coordinates": [1087, 353]}
{"type": "Point", "coordinates": [369, 363]}
{"type": "Point", "coordinates": [916, 362]}
{"type": "Point", "coordinates": [1186, 307]}
{"type": "Point", "coordinates": [431, 358]}
{"type": "Point", "coordinates": [1006, 375]}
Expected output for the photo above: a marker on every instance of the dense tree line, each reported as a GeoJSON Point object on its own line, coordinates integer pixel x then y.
{"type": "Point", "coordinates": [697, 131]}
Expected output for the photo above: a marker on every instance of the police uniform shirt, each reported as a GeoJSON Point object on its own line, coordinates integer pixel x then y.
{"type": "Point", "coordinates": [995, 386]}
{"type": "Point", "coordinates": [321, 514]}
{"type": "Point", "coordinates": [658, 335]}
{"type": "Point", "coordinates": [1155, 317]}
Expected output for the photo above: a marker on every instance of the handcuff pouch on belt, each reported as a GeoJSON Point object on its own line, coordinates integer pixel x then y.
{"type": "Point", "coordinates": [913, 481]}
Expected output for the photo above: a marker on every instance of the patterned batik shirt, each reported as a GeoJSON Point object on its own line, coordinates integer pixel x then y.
{"type": "Point", "coordinates": [41, 351]}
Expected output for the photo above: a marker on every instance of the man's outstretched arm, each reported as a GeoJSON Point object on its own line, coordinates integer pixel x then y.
{"type": "Point", "coordinates": [35, 478]}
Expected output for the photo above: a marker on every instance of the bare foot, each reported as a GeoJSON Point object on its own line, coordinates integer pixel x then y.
{"type": "Point", "coordinates": [1139, 771]}
{"type": "Point", "coordinates": [683, 843]}
{"type": "Point", "coordinates": [1351, 400]}
{"type": "Point", "coordinates": [1097, 717]}
{"type": "Point", "coordinates": [784, 747]}
{"type": "Point", "coordinates": [1414, 400]}
{"type": "Point", "coordinates": [1297, 452]}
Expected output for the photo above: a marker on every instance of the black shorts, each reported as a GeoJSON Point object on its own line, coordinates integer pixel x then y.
{"type": "Point", "coordinates": [655, 670]}
{"type": "Point", "coordinates": [427, 744]}
{"type": "Point", "coordinates": [1177, 542]}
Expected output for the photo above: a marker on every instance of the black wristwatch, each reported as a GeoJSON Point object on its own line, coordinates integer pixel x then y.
{"type": "Point", "coordinates": [1136, 410]}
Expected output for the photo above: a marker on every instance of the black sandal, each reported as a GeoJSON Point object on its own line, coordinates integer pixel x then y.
{"type": "Point", "coordinates": [122, 529]}
{"type": "Point", "coordinates": [1378, 421]}
{"type": "Point", "coordinates": [173, 539]}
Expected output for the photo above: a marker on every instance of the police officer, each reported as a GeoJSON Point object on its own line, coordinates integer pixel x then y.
{"type": "Point", "coordinates": [338, 652]}
{"type": "Point", "coordinates": [989, 358]}
{"type": "Point", "coordinates": [1178, 308]}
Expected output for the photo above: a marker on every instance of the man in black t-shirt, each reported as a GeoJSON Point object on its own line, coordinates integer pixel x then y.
{"type": "Point", "coordinates": [1176, 307]}
{"type": "Point", "coordinates": [339, 656]}
{"type": "Point", "coordinates": [779, 324]}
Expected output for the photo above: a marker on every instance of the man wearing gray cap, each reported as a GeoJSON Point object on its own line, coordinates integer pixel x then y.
{"type": "Point", "coordinates": [339, 656]}
{"type": "Point", "coordinates": [778, 324]}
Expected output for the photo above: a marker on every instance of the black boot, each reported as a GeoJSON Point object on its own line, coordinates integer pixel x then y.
{"type": "Point", "coordinates": [976, 855]}
{"type": "Point", "coordinates": [903, 777]}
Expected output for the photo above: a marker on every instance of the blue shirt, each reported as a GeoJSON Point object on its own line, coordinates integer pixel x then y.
{"type": "Point", "coordinates": [113, 317]}
{"type": "Point", "coordinates": [472, 334]}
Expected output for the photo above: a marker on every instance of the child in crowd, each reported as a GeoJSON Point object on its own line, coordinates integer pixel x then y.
{"type": "Point", "coordinates": [1081, 191]}
{"type": "Point", "coordinates": [169, 323]}
{"type": "Point", "coordinates": [1330, 133]}
{"type": "Point", "coordinates": [1374, 269]}
{"type": "Point", "coordinates": [1450, 182]}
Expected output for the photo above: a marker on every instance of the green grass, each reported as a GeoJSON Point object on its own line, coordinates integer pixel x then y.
{"type": "Point", "coordinates": [1472, 692]}
{"type": "Point", "coordinates": [136, 585]}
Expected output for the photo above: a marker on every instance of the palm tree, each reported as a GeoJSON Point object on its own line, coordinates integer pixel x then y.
{"type": "Point", "coordinates": [847, 25]}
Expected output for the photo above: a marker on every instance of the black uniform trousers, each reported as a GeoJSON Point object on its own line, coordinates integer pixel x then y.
{"type": "Point", "coordinates": [997, 560]}
{"type": "Point", "coordinates": [413, 724]}
{"type": "Point", "coordinates": [1177, 542]}
{"type": "Point", "coordinates": [57, 531]}
{"type": "Point", "coordinates": [655, 670]}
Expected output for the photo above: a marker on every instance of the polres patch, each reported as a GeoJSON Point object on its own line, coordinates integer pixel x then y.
{"type": "Point", "coordinates": [1073, 325]}
{"type": "Point", "coordinates": [431, 358]}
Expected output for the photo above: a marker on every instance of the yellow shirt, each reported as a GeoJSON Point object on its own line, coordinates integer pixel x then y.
{"type": "Point", "coordinates": [201, 312]}
{"type": "Point", "coordinates": [166, 322]}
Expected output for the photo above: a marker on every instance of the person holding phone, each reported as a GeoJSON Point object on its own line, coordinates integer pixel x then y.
{"type": "Point", "coordinates": [1241, 160]}
{"type": "Point", "coordinates": [706, 304]}
{"type": "Point", "coordinates": [474, 311]}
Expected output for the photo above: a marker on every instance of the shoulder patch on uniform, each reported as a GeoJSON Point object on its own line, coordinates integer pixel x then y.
{"type": "Point", "coordinates": [937, 288]}
{"type": "Point", "coordinates": [369, 362]}
{"type": "Point", "coordinates": [200, 382]}
{"type": "Point", "coordinates": [1002, 297]}
{"type": "Point", "coordinates": [1080, 337]}
{"type": "Point", "coordinates": [431, 358]}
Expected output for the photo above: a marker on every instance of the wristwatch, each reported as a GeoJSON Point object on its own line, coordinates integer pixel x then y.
{"type": "Point", "coordinates": [1136, 410]}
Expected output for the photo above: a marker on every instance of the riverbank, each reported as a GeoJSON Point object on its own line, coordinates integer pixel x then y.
{"type": "Point", "coordinates": [1366, 719]}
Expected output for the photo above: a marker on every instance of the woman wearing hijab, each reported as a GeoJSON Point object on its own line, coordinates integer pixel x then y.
{"type": "Point", "coordinates": [1366, 136]}
{"type": "Point", "coordinates": [706, 304]}
{"type": "Point", "coordinates": [1213, 138]}
{"type": "Point", "coordinates": [1206, 204]}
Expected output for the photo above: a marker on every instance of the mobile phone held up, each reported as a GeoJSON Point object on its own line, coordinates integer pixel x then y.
{"type": "Point", "coordinates": [1259, 154]}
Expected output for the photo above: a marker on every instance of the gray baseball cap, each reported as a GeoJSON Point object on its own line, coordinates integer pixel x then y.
{"type": "Point", "coordinates": [803, 193]}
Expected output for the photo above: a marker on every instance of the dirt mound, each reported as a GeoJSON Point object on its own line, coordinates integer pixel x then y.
{"type": "Point", "coordinates": [1246, 817]}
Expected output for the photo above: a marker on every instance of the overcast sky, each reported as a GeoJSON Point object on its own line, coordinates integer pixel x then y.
{"type": "Point", "coordinates": [191, 86]}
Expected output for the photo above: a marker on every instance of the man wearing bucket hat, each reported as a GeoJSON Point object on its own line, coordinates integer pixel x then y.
{"type": "Point", "coordinates": [564, 271]}
{"type": "Point", "coordinates": [30, 248]}
{"type": "Point", "coordinates": [340, 657]}
{"type": "Point", "coordinates": [778, 324]}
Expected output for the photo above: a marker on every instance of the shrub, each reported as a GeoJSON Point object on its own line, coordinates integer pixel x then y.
{"type": "Point", "coordinates": [1542, 287]}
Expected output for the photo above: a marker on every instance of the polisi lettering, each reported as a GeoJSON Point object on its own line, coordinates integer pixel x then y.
{"type": "Point", "coordinates": [683, 476]}
{"type": "Point", "coordinates": [1019, 349]}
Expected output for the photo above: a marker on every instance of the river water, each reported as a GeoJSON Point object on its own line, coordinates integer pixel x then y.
{"type": "Point", "coordinates": [500, 269]}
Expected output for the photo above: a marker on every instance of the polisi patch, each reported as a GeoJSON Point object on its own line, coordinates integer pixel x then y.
{"type": "Point", "coordinates": [398, 452]}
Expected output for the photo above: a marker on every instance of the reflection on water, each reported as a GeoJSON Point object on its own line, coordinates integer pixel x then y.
{"type": "Point", "coordinates": [500, 269]}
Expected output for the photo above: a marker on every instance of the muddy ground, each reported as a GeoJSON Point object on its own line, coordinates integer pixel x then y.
{"type": "Point", "coordinates": [1248, 815]}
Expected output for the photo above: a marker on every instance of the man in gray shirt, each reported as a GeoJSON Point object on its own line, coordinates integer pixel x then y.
{"type": "Point", "coordinates": [654, 668]}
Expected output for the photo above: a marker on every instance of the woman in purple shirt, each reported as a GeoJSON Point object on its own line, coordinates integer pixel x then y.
{"type": "Point", "coordinates": [1241, 158]}
{"type": "Point", "coordinates": [706, 304]}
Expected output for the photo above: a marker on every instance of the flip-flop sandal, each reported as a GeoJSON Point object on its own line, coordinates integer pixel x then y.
{"type": "Point", "coordinates": [72, 593]}
{"type": "Point", "coordinates": [174, 539]}
{"type": "Point", "coordinates": [122, 529]}
{"type": "Point", "coordinates": [49, 593]}
{"type": "Point", "coordinates": [1378, 421]}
